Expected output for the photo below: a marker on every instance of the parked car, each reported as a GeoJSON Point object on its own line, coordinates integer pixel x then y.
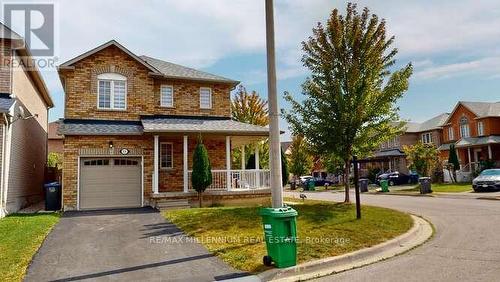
{"type": "Point", "coordinates": [394, 178]}
{"type": "Point", "coordinates": [488, 180]}
{"type": "Point", "coordinates": [323, 182]}
{"type": "Point", "coordinates": [303, 179]}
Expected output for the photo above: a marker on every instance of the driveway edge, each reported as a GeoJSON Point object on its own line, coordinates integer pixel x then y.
{"type": "Point", "coordinates": [421, 231]}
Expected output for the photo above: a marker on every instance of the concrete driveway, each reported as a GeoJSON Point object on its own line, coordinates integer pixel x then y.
{"type": "Point", "coordinates": [124, 245]}
{"type": "Point", "coordinates": [465, 247]}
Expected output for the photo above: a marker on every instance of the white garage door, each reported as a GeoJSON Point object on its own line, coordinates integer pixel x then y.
{"type": "Point", "coordinates": [110, 183]}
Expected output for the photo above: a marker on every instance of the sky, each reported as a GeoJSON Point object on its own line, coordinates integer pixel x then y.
{"type": "Point", "coordinates": [453, 45]}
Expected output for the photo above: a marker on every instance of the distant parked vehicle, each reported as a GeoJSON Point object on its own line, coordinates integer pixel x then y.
{"type": "Point", "coordinates": [323, 182]}
{"type": "Point", "coordinates": [303, 179]}
{"type": "Point", "coordinates": [488, 180]}
{"type": "Point", "coordinates": [394, 178]}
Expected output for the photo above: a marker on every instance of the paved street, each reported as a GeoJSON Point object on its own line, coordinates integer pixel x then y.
{"type": "Point", "coordinates": [466, 245]}
{"type": "Point", "coordinates": [125, 245]}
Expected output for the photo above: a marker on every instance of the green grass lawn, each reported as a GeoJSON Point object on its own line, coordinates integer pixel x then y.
{"type": "Point", "coordinates": [444, 188]}
{"type": "Point", "coordinates": [20, 237]}
{"type": "Point", "coordinates": [324, 229]}
{"type": "Point", "coordinates": [452, 187]}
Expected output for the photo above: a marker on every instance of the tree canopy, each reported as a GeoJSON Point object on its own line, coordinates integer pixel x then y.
{"type": "Point", "coordinates": [349, 106]}
{"type": "Point", "coordinates": [422, 158]}
{"type": "Point", "coordinates": [300, 159]}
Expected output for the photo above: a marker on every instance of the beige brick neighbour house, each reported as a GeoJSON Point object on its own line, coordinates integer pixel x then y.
{"type": "Point", "coordinates": [24, 105]}
{"type": "Point", "coordinates": [131, 124]}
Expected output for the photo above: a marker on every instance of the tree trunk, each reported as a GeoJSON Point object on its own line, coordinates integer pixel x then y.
{"type": "Point", "coordinates": [200, 199]}
{"type": "Point", "coordinates": [346, 180]}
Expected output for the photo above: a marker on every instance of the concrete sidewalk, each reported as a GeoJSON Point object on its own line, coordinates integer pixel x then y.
{"type": "Point", "coordinates": [124, 245]}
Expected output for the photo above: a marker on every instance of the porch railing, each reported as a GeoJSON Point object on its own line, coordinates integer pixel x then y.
{"type": "Point", "coordinates": [240, 179]}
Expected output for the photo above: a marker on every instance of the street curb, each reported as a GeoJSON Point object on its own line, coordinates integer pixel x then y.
{"type": "Point", "coordinates": [489, 198]}
{"type": "Point", "coordinates": [403, 194]}
{"type": "Point", "coordinates": [421, 231]}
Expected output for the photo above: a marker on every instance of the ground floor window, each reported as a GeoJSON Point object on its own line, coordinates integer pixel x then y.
{"type": "Point", "coordinates": [166, 155]}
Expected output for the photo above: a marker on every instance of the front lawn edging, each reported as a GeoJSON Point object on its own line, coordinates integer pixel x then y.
{"type": "Point", "coordinates": [420, 233]}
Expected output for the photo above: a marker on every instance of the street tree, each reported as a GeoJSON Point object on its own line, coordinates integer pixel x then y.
{"type": "Point", "coordinates": [349, 106]}
{"type": "Point", "coordinates": [423, 158]}
{"type": "Point", "coordinates": [301, 160]}
{"type": "Point", "coordinates": [250, 108]}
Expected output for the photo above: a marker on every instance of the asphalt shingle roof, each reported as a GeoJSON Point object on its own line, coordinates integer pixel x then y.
{"type": "Point", "coordinates": [99, 127]}
{"type": "Point", "coordinates": [389, 153]}
{"type": "Point", "coordinates": [5, 103]}
{"type": "Point", "coordinates": [483, 109]}
{"type": "Point", "coordinates": [430, 124]}
{"type": "Point", "coordinates": [200, 124]}
{"type": "Point", "coordinates": [470, 141]}
{"type": "Point", "coordinates": [159, 124]}
{"type": "Point", "coordinates": [175, 70]}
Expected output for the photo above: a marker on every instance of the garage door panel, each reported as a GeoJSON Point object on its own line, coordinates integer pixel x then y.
{"type": "Point", "coordinates": [110, 183]}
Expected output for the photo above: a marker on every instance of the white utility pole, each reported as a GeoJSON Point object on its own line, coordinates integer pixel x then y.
{"type": "Point", "coordinates": [274, 130]}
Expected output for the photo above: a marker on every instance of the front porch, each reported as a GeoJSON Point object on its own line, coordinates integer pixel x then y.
{"type": "Point", "coordinates": [220, 149]}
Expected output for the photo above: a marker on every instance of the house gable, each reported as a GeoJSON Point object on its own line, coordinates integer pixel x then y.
{"type": "Point", "coordinates": [453, 121]}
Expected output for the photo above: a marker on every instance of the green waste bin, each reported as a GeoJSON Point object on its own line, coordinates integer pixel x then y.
{"type": "Point", "coordinates": [280, 232]}
{"type": "Point", "coordinates": [384, 184]}
{"type": "Point", "coordinates": [311, 185]}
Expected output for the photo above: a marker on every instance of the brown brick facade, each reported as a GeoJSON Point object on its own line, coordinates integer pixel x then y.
{"type": "Point", "coordinates": [171, 180]}
{"type": "Point", "coordinates": [143, 91]}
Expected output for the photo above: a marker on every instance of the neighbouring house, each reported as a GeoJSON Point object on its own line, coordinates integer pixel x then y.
{"type": "Point", "coordinates": [391, 157]}
{"type": "Point", "coordinates": [474, 128]}
{"type": "Point", "coordinates": [55, 140]}
{"type": "Point", "coordinates": [130, 127]}
{"type": "Point", "coordinates": [24, 105]}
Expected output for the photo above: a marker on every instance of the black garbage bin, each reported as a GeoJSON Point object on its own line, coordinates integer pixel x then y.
{"type": "Point", "coordinates": [425, 185]}
{"type": "Point", "coordinates": [52, 196]}
{"type": "Point", "coordinates": [363, 185]}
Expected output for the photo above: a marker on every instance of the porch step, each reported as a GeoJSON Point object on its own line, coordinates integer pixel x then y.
{"type": "Point", "coordinates": [172, 204]}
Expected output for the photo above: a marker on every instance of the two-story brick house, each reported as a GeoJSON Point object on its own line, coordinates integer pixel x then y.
{"type": "Point", "coordinates": [391, 157]}
{"type": "Point", "coordinates": [474, 128]}
{"type": "Point", "coordinates": [131, 124]}
{"type": "Point", "coordinates": [24, 106]}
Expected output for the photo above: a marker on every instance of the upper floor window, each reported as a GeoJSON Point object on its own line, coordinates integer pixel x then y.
{"type": "Point", "coordinates": [464, 127]}
{"type": "Point", "coordinates": [166, 155]}
{"type": "Point", "coordinates": [427, 138]}
{"type": "Point", "coordinates": [451, 135]}
{"type": "Point", "coordinates": [167, 96]}
{"type": "Point", "coordinates": [205, 98]}
{"type": "Point", "coordinates": [480, 128]}
{"type": "Point", "coordinates": [112, 91]}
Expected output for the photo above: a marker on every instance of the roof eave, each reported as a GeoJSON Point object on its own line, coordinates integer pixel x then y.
{"type": "Point", "coordinates": [37, 79]}
{"type": "Point", "coordinates": [234, 83]}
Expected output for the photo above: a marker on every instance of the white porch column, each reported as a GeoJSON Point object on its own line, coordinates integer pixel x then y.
{"type": "Point", "coordinates": [156, 162]}
{"type": "Point", "coordinates": [490, 154]}
{"type": "Point", "coordinates": [470, 159]}
{"type": "Point", "coordinates": [185, 163]}
{"type": "Point", "coordinates": [257, 166]}
{"type": "Point", "coordinates": [228, 163]}
{"type": "Point", "coordinates": [243, 157]}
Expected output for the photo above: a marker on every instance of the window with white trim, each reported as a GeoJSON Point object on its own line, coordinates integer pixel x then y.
{"type": "Point", "coordinates": [205, 97]}
{"type": "Point", "coordinates": [427, 138]}
{"type": "Point", "coordinates": [464, 127]}
{"type": "Point", "coordinates": [166, 155]}
{"type": "Point", "coordinates": [451, 134]}
{"type": "Point", "coordinates": [111, 91]}
{"type": "Point", "coordinates": [480, 128]}
{"type": "Point", "coordinates": [167, 96]}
